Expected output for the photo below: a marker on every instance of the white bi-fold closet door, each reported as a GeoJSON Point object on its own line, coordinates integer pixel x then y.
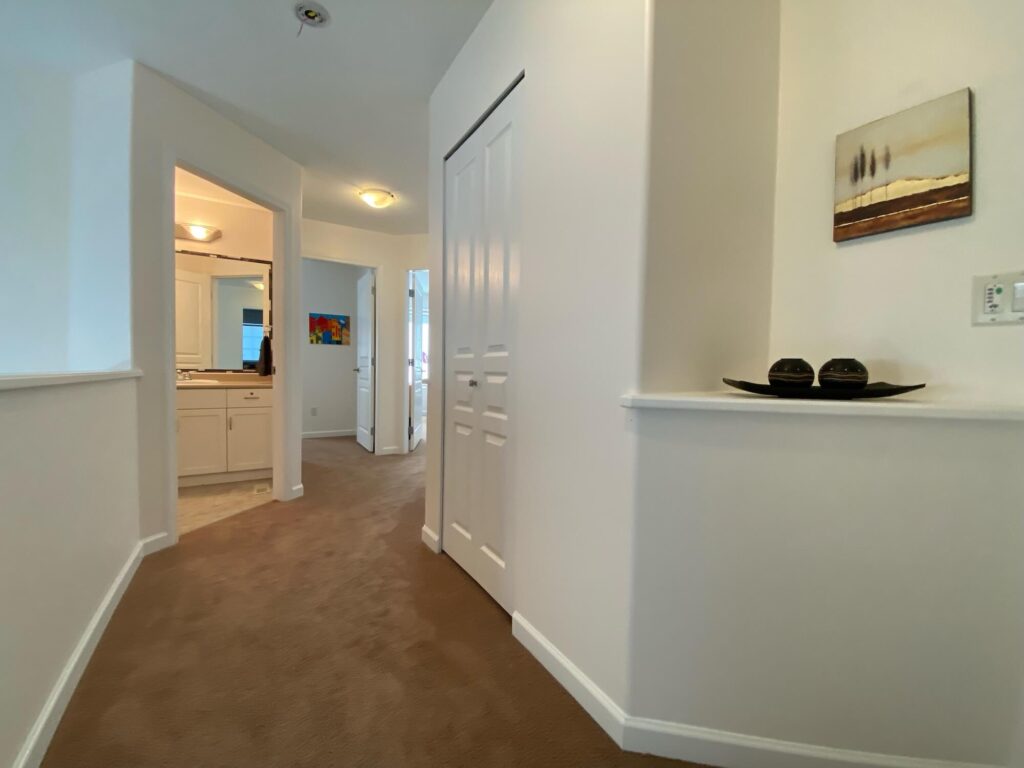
{"type": "Point", "coordinates": [481, 276]}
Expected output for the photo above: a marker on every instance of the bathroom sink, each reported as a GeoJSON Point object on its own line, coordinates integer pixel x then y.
{"type": "Point", "coordinates": [196, 382]}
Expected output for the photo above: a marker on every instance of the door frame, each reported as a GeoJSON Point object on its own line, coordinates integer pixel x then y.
{"type": "Point", "coordinates": [376, 338]}
{"type": "Point", "coordinates": [406, 403]}
{"type": "Point", "coordinates": [282, 387]}
{"type": "Point", "coordinates": [440, 368]}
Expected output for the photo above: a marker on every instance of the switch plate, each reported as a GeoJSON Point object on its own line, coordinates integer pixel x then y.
{"type": "Point", "coordinates": [998, 299]}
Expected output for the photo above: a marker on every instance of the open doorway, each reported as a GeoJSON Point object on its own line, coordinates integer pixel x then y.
{"type": "Point", "coordinates": [223, 312]}
{"type": "Point", "coordinates": [419, 355]}
{"type": "Point", "coordinates": [339, 364]}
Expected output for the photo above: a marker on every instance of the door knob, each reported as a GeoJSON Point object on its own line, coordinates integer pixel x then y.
{"type": "Point", "coordinates": [356, 370]}
{"type": "Point", "coordinates": [473, 382]}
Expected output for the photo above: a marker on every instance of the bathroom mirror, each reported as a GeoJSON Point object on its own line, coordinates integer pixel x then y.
{"type": "Point", "coordinates": [221, 311]}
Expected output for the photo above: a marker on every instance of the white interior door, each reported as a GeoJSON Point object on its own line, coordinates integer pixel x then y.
{"type": "Point", "coordinates": [365, 359]}
{"type": "Point", "coordinates": [418, 386]}
{"type": "Point", "coordinates": [192, 300]}
{"type": "Point", "coordinates": [481, 275]}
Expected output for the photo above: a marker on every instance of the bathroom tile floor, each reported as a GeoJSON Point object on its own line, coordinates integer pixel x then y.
{"type": "Point", "coordinates": [205, 504]}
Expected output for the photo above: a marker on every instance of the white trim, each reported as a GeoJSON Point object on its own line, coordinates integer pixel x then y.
{"type": "Point", "coordinates": [38, 740]}
{"type": "Point", "coordinates": [693, 743]}
{"type": "Point", "coordinates": [737, 750]}
{"type": "Point", "coordinates": [297, 491]}
{"type": "Point", "coordinates": [216, 478]}
{"type": "Point", "coordinates": [897, 407]}
{"type": "Point", "coordinates": [328, 433]}
{"type": "Point", "coordinates": [388, 450]}
{"type": "Point", "coordinates": [157, 542]}
{"type": "Point", "coordinates": [596, 702]}
{"type": "Point", "coordinates": [33, 380]}
{"type": "Point", "coordinates": [431, 539]}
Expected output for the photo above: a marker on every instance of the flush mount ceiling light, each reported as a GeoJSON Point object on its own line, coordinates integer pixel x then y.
{"type": "Point", "coordinates": [199, 232]}
{"type": "Point", "coordinates": [376, 198]}
{"type": "Point", "coordinates": [312, 14]}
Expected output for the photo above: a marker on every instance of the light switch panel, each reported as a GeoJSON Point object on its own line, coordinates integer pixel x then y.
{"type": "Point", "coordinates": [998, 299]}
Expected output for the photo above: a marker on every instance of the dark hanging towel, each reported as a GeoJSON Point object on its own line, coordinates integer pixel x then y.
{"type": "Point", "coordinates": [265, 365]}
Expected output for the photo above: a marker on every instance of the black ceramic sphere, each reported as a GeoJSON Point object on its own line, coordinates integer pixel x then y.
{"type": "Point", "coordinates": [843, 373]}
{"type": "Point", "coordinates": [791, 372]}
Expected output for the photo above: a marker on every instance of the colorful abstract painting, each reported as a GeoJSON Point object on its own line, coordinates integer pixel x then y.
{"type": "Point", "coordinates": [911, 168]}
{"type": "Point", "coordinates": [329, 329]}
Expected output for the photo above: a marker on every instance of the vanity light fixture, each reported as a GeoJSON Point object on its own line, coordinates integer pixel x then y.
{"type": "Point", "coordinates": [199, 232]}
{"type": "Point", "coordinates": [376, 198]}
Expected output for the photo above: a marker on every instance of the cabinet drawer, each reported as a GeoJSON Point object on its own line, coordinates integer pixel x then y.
{"type": "Point", "coordinates": [250, 398]}
{"type": "Point", "coordinates": [201, 398]}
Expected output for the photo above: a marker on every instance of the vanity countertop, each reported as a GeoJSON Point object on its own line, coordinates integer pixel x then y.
{"type": "Point", "coordinates": [263, 384]}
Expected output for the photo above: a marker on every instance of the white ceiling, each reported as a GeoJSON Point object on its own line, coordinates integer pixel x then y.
{"type": "Point", "coordinates": [348, 101]}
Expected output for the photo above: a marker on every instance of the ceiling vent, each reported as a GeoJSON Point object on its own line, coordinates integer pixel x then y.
{"type": "Point", "coordinates": [312, 14]}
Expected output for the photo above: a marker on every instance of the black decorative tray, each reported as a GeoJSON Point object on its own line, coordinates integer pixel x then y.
{"type": "Point", "coordinates": [874, 390]}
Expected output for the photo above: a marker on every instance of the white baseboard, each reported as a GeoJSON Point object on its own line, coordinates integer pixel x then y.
{"type": "Point", "coordinates": [155, 543]}
{"type": "Point", "coordinates": [388, 450]}
{"type": "Point", "coordinates": [38, 740]}
{"type": "Point", "coordinates": [596, 702]}
{"type": "Point", "coordinates": [431, 539]}
{"type": "Point", "coordinates": [328, 433]}
{"type": "Point", "coordinates": [692, 743]}
{"type": "Point", "coordinates": [216, 478]}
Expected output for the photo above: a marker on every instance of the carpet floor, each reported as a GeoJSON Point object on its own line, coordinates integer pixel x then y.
{"type": "Point", "coordinates": [320, 632]}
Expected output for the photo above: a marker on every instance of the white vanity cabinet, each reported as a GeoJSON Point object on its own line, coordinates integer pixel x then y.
{"type": "Point", "coordinates": [221, 431]}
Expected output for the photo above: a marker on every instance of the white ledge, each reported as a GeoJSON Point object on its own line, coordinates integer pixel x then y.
{"type": "Point", "coordinates": [33, 380]}
{"type": "Point", "coordinates": [890, 407]}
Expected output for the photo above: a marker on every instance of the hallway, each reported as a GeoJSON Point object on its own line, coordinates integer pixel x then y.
{"type": "Point", "coordinates": [320, 632]}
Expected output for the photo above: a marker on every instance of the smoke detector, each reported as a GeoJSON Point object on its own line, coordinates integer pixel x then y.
{"type": "Point", "coordinates": [312, 14]}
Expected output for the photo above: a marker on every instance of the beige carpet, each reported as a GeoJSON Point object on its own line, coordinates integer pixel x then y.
{"type": "Point", "coordinates": [320, 633]}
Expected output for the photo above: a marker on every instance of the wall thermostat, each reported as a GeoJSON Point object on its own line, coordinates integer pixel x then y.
{"type": "Point", "coordinates": [998, 299]}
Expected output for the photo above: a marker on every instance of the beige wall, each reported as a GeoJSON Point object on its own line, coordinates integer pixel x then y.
{"type": "Point", "coordinates": [247, 232]}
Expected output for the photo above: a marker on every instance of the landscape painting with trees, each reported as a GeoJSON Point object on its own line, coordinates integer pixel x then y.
{"type": "Point", "coordinates": [911, 168]}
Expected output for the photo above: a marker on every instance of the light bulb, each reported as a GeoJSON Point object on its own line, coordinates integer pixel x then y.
{"type": "Point", "coordinates": [377, 198]}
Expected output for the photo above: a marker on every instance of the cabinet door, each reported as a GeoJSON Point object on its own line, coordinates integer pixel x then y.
{"type": "Point", "coordinates": [202, 441]}
{"type": "Point", "coordinates": [249, 439]}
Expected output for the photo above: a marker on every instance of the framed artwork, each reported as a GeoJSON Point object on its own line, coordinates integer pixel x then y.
{"type": "Point", "coordinates": [329, 329]}
{"type": "Point", "coordinates": [910, 168]}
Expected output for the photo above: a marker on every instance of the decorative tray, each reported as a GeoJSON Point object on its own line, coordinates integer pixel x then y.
{"type": "Point", "coordinates": [870, 391]}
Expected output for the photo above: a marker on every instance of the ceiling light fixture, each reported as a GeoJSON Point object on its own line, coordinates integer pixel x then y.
{"type": "Point", "coordinates": [376, 198]}
{"type": "Point", "coordinates": [199, 232]}
{"type": "Point", "coordinates": [312, 15]}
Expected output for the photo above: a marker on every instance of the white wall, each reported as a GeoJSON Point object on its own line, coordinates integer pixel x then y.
{"type": "Point", "coordinates": [35, 162]}
{"type": "Point", "coordinates": [170, 127]}
{"type": "Point", "coordinates": [899, 301]}
{"type": "Point", "coordinates": [583, 142]}
{"type": "Point", "coordinates": [70, 521]}
{"type": "Point", "coordinates": [707, 287]}
{"type": "Point", "coordinates": [392, 256]}
{"type": "Point", "coordinates": [100, 324]}
{"type": "Point", "coordinates": [328, 376]}
{"type": "Point", "coordinates": [820, 583]}
{"type": "Point", "coordinates": [841, 581]}
{"type": "Point", "coordinates": [247, 232]}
